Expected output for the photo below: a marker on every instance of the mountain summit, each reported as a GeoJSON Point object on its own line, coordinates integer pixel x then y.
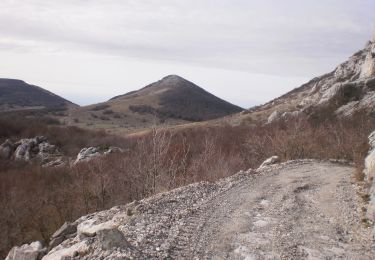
{"type": "Point", "coordinates": [172, 100]}
{"type": "Point", "coordinates": [176, 97]}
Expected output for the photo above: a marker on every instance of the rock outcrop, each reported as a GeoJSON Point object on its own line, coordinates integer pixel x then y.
{"type": "Point", "coordinates": [26, 149]}
{"type": "Point", "coordinates": [34, 251]}
{"type": "Point", "coordinates": [87, 154]}
{"type": "Point", "coordinates": [270, 161]}
{"type": "Point", "coordinates": [276, 115]}
{"type": "Point", "coordinates": [32, 148]}
{"type": "Point", "coordinates": [273, 117]}
{"type": "Point", "coordinates": [66, 231]}
{"type": "Point", "coordinates": [370, 177]}
{"type": "Point", "coordinates": [7, 149]}
{"type": "Point", "coordinates": [38, 148]}
{"type": "Point", "coordinates": [368, 67]}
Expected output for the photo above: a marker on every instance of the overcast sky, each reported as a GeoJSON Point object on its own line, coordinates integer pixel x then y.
{"type": "Point", "coordinates": [245, 51]}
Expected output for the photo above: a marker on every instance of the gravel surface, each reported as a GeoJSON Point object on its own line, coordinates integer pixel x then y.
{"type": "Point", "coordinates": [295, 210]}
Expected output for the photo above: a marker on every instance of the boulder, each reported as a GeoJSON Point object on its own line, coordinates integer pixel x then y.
{"type": "Point", "coordinates": [370, 159]}
{"type": "Point", "coordinates": [91, 227]}
{"type": "Point", "coordinates": [277, 115]}
{"type": "Point", "coordinates": [49, 155]}
{"type": "Point", "coordinates": [112, 238]}
{"type": "Point", "coordinates": [371, 139]}
{"type": "Point", "coordinates": [113, 149]}
{"type": "Point", "coordinates": [7, 149]}
{"type": "Point", "coordinates": [33, 251]}
{"type": "Point", "coordinates": [65, 231]}
{"type": "Point", "coordinates": [273, 117]}
{"type": "Point", "coordinates": [38, 147]}
{"type": "Point", "coordinates": [368, 67]}
{"type": "Point", "coordinates": [370, 177]}
{"type": "Point", "coordinates": [68, 252]}
{"type": "Point", "coordinates": [25, 149]}
{"type": "Point", "coordinates": [55, 163]}
{"type": "Point", "coordinates": [290, 115]}
{"type": "Point", "coordinates": [270, 161]}
{"type": "Point", "coordinates": [87, 154]}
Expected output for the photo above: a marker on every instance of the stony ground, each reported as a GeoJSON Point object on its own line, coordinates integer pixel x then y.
{"type": "Point", "coordinates": [296, 210]}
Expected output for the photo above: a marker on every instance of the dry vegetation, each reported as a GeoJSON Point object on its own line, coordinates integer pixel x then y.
{"type": "Point", "coordinates": [36, 201]}
{"type": "Point", "coordinates": [69, 139]}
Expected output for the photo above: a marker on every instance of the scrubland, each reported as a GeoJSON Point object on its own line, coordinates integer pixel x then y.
{"type": "Point", "coordinates": [35, 201]}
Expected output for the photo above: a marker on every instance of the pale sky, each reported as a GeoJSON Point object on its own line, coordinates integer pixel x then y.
{"type": "Point", "coordinates": [244, 51]}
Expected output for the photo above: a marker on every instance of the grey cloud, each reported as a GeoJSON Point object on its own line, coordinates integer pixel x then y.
{"type": "Point", "coordinates": [277, 37]}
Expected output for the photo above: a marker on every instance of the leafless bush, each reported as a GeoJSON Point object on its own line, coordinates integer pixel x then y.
{"type": "Point", "coordinates": [100, 107]}
{"type": "Point", "coordinates": [108, 112]}
{"type": "Point", "coordinates": [36, 201]}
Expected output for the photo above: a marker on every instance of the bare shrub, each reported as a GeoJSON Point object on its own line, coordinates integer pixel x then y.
{"type": "Point", "coordinates": [108, 112]}
{"type": "Point", "coordinates": [36, 201]}
{"type": "Point", "coordinates": [99, 107]}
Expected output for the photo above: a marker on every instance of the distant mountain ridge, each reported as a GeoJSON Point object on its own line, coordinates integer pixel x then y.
{"type": "Point", "coordinates": [16, 94]}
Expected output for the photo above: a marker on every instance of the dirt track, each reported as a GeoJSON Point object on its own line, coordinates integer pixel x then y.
{"type": "Point", "coordinates": [302, 210]}
{"type": "Point", "coordinates": [296, 210]}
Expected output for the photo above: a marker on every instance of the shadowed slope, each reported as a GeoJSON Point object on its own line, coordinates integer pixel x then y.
{"type": "Point", "coordinates": [17, 94]}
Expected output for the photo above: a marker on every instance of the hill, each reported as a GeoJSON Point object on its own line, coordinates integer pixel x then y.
{"type": "Point", "coordinates": [18, 95]}
{"type": "Point", "coordinates": [344, 92]}
{"type": "Point", "coordinates": [169, 101]}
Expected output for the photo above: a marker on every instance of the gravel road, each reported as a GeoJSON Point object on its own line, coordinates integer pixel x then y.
{"type": "Point", "coordinates": [296, 210]}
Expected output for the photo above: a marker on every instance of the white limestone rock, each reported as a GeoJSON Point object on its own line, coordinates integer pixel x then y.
{"type": "Point", "coordinates": [33, 251]}
{"type": "Point", "coordinates": [87, 154]}
{"type": "Point", "coordinates": [370, 176]}
{"type": "Point", "coordinates": [368, 67]}
{"type": "Point", "coordinates": [270, 161]}
{"type": "Point", "coordinates": [113, 149]}
{"type": "Point", "coordinates": [273, 117]}
{"type": "Point", "coordinates": [68, 252]}
{"type": "Point", "coordinates": [6, 149]}
{"type": "Point", "coordinates": [25, 149]}
{"type": "Point", "coordinates": [91, 227]}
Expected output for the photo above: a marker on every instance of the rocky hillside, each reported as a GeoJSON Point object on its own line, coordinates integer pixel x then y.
{"type": "Point", "coordinates": [349, 89]}
{"type": "Point", "coordinates": [293, 210]}
{"type": "Point", "coordinates": [18, 95]}
{"type": "Point", "coordinates": [169, 101]}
